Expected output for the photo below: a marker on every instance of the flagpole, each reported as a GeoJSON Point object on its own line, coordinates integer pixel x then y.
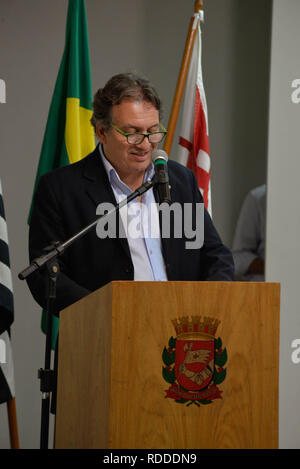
{"type": "Point", "coordinates": [182, 77]}
{"type": "Point", "coordinates": [13, 424]}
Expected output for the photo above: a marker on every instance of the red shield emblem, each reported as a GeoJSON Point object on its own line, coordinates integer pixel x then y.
{"type": "Point", "coordinates": [194, 363]}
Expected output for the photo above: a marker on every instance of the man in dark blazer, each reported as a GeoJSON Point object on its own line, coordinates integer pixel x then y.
{"type": "Point", "coordinates": [127, 123]}
{"type": "Point", "coordinates": [66, 201]}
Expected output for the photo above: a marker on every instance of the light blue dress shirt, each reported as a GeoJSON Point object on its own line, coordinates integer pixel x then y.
{"type": "Point", "coordinates": [141, 223]}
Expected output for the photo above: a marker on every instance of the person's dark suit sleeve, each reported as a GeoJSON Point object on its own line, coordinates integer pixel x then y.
{"type": "Point", "coordinates": [216, 259]}
{"type": "Point", "coordinates": [46, 226]}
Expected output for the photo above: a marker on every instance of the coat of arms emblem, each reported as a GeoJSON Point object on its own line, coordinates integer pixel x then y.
{"type": "Point", "coordinates": [194, 361]}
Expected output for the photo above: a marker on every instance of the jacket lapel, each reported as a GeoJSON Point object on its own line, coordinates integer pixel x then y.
{"type": "Point", "coordinates": [96, 183]}
{"type": "Point", "coordinates": [98, 188]}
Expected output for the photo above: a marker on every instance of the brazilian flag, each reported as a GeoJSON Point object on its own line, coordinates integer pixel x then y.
{"type": "Point", "coordinates": [69, 135]}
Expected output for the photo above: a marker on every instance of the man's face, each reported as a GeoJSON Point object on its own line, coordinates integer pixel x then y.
{"type": "Point", "coordinates": [130, 160]}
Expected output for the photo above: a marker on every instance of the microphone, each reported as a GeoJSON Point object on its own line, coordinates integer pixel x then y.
{"type": "Point", "coordinates": [160, 161]}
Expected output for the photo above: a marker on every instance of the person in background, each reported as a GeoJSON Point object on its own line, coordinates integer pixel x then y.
{"type": "Point", "coordinates": [249, 240]}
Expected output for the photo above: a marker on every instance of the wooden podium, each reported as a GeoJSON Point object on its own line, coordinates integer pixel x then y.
{"type": "Point", "coordinates": [130, 377]}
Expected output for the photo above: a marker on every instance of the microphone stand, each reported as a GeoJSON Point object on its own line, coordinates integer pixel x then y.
{"type": "Point", "coordinates": [49, 262]}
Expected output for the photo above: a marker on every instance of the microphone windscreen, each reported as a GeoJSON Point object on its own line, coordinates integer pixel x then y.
{"type": "Point", "coordinates": [159, 154]}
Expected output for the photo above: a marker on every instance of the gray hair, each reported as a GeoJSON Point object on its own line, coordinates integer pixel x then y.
{"type": "Point", "coordinates": [120, 87]}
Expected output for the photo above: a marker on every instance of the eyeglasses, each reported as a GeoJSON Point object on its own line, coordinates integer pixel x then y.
{"type": "Point", "coordinates": [138, 137]}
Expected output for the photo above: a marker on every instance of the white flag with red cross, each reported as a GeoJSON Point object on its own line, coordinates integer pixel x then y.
{"type": "Point", "coordinates": [193, 140]}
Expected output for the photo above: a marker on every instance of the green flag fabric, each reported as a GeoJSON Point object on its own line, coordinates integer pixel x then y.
{"type": "Point", "coordinates": [69, 135]}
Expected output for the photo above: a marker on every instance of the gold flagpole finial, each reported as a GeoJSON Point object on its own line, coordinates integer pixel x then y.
{"type": "Point", "coordinates": [182, 78]}
{"type": "Point", "coordinates": [198, 5]}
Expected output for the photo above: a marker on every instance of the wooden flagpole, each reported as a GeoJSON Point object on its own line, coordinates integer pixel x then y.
{"type": "Point", "coordinates": [13, 425]}
{"type": "Point", "coordinates": [182, 78]}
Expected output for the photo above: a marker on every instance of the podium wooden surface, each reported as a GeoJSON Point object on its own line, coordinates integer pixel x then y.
{"type": "Point", "coordinates": [111, 391]}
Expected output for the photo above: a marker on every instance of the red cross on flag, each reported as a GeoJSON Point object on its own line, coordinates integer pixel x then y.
{"type": "Point", "coordinates": [193, 140]}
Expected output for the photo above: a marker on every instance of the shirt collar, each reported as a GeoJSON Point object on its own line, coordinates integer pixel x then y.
{"type": "Point", "coordinates": [112, 174]}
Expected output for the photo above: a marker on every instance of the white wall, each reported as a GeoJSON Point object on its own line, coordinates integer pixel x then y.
{"type": "Point", "coordinates": [236, 39]}
{"type": "Point", "coordinates": [148, 36]}
{"type": "Point", "coordinates": [283, 197]}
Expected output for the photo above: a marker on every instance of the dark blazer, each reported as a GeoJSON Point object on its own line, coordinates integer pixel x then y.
{"type": "Point", "coordinates": [66, 201]}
